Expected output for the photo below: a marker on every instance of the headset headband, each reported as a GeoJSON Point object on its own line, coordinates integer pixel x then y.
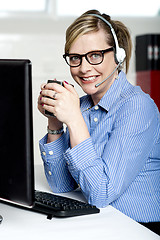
{"type": "Point", "coordinates": [120, 52]}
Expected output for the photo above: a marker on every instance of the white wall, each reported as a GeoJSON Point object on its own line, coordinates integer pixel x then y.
{"type": "Point", "coordinates": [42, 41]}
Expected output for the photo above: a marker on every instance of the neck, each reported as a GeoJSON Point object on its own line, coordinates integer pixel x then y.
{"type": "Point", "coordinates": [96, 100]}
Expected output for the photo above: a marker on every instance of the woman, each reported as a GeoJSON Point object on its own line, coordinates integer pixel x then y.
{"type": "Point", "coordinates": [111, 148]}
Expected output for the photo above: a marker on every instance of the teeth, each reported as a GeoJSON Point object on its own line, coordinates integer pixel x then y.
{"type": "Point", "coordinates": [89, 78]}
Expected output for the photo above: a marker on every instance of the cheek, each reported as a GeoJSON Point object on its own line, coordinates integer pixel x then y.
{"type": "Point", "coordinates": [101, 69]}
{"type": "Point", "coordinates": [108, 67]}
{"type": "Point", "coordinates": [73, 72]}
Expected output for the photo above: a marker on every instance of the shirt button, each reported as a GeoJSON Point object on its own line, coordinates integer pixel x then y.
{"type": "Point", "coordinates": [50, 173]}
{"type": "Point", "coordinates": [50, 152]}
{"type": "Point", "coordinates": [44, 154]}
{"type": "Point", "coordinates": [95, 119]}
{"type": "Point", "coordinates": [96, 108]}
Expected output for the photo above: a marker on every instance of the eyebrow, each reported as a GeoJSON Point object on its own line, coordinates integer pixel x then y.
{"type": "Point", "coordinates": [99, 50]}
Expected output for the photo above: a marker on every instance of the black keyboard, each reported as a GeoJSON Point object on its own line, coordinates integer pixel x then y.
{"type": "Point", "coordinates": [58, 206]}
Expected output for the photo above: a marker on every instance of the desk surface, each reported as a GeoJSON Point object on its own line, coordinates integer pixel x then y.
{"type": "Point", "coordinates": [109, 224]}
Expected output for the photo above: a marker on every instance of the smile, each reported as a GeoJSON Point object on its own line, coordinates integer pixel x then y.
{"type": "Point", "coordinates": [89, 78]}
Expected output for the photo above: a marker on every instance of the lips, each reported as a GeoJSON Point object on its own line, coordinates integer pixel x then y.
{"type": "Point", "coordinates": [90, 79]}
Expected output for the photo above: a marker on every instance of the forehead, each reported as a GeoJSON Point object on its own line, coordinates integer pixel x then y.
{"type": "Point", "coordinates": [89, 42]}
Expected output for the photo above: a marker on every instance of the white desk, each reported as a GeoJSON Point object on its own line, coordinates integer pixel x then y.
{"type": "Point", "coordinates": [109, 224]}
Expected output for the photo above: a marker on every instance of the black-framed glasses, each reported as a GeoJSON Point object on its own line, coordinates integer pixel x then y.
{"type": "Point", "coordinates": [93, 57]}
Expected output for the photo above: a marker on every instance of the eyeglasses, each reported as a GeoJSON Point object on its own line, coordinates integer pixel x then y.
{"type": "Point", "coordinates": [94, 57]}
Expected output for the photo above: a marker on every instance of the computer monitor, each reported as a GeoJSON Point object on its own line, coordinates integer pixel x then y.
{"type": "Point", "coordinates": [16, 132]}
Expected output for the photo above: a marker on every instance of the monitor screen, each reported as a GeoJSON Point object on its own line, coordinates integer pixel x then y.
{"type": "Point", "coordinates": [16, 134]}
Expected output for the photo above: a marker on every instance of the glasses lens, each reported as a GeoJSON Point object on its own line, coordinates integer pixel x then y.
{"type": "Point", "coordinates": [73, 60]}
{"type": "Point", "coordinates": [95, 57]}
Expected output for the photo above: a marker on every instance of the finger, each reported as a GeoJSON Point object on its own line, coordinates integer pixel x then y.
{"type": "Point", "coordinates": [50, 94]}
{"type": "Point", "coordinates": [55, 87]}
{"type": "Point", "coordinates": [54, 96]}
{"type": "Point", "coordinates": [40, 106]}
{"type": "Point", "coordinates": [39, 99]}
{"type": "Point", "coordinates": [69, 87]}
{"type": "Point", "coordinates": [48, 101]}
{"type": "Point", "coordinates": [49, 108]}
{"type": "Point", "coordinates": [43, 85]}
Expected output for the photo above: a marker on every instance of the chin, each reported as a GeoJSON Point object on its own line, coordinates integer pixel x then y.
{"type": "Point", "coordinates": [90, 90]}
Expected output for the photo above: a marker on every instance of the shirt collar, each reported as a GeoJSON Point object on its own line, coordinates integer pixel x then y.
{"type": "Point", "coordinates": [86, 102]}
{"type": "Point", "coordinates": [113, 92]}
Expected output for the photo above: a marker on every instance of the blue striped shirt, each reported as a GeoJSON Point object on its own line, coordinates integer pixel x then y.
{"type": "Point", "coordinates": [120, 163]}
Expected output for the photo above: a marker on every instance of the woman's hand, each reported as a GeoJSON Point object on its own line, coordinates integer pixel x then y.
{"type": "Point", "coordinates": [64, 103]}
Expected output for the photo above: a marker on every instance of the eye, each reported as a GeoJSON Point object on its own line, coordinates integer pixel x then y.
{"type": "Point", "coordinates": [74, 58]}
{"type": "Point", "coordinates": [95, 56]}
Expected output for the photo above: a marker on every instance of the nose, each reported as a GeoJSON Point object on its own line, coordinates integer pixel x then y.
{"type": "Point", "coordinates": [85, 65]}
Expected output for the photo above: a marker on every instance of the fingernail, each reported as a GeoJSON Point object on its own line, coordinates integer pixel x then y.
{"type": "Point", "coordinates": [66, 82]}
{"type": "Point", "coordinates": [40, 98]}
{"type": "Point", "coordinates": [42, 104]}
{"type": "Point", "coordinates": [40, 92]}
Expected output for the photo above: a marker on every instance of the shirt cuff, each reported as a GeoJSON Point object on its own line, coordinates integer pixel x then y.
{"type": "Point", "coordinates": [55, 148]}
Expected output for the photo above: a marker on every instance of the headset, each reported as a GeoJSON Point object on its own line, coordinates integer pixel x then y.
{"type": "Point", "coordinates": [119, 52]}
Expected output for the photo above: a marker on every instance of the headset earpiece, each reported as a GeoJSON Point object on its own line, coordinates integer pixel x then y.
{"type": "Point", "coordinates": [120, 55]}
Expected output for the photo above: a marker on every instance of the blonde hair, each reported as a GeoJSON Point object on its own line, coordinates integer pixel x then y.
{"type": "Point", "coordinates": [87, 23]}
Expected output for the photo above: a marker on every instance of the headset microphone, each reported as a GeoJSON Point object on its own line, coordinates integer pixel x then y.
{"type": "Point", "coordinates": [97, 85]}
